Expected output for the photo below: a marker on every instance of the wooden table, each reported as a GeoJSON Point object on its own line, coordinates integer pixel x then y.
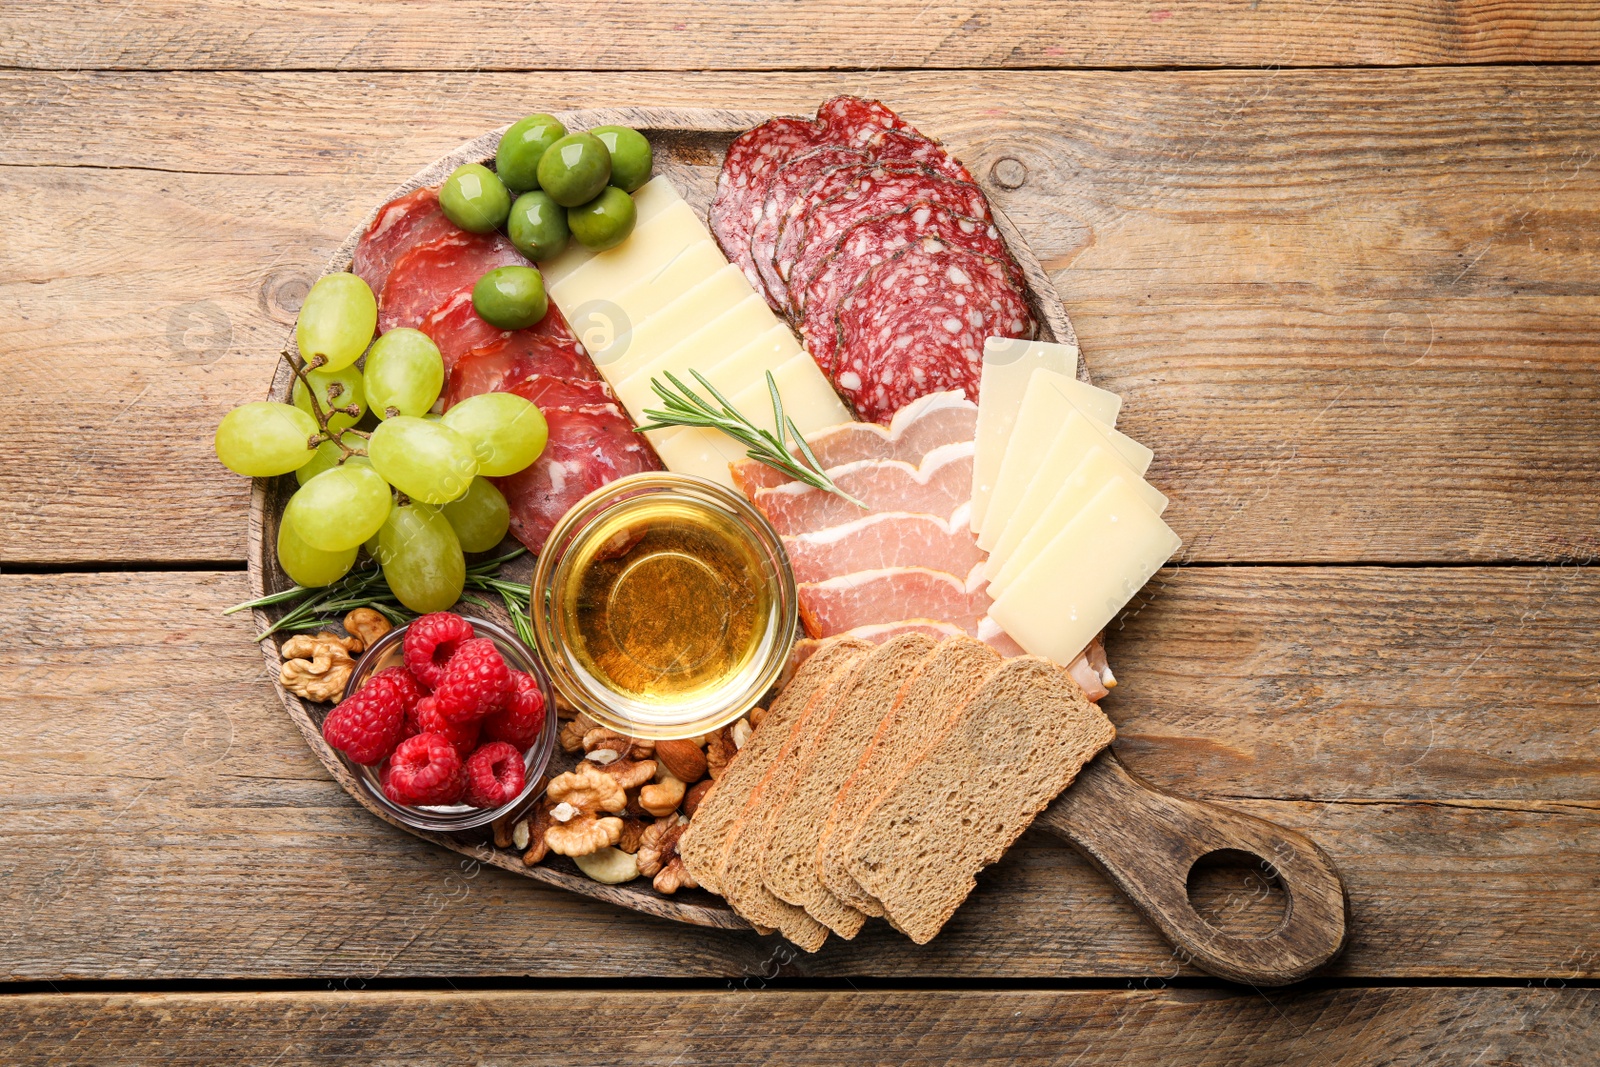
{"type": "Point", "coordinates": [1342, 261]}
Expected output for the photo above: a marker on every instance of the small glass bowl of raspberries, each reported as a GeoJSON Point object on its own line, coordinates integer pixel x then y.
{"type": "Point", "coordinates": [447, 721]}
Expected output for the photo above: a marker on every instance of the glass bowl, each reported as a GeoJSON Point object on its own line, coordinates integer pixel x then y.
{"type": "Point", "coordinates": [386, 652]}
{"type": "Point", "coordinates": [674, 516]}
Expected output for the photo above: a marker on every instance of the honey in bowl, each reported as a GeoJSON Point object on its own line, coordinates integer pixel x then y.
{"type": "Point", "coordinates": [666, 606]}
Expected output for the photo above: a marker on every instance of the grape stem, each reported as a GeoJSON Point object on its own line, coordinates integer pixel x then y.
{"type": "Point", "coordinates": [300, 371]}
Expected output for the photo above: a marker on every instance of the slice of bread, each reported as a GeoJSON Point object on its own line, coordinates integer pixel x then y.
{"type": "Point", "coordinates": [707, 845]}
{"type": "Point", "coordinates": [742, 886]}
{"type": "Point", "coordinates": [947, 679]}
{"type": "Point", "coordinates": [839, 739]}
{"type": "Point", "coordinates": [1000, 759]}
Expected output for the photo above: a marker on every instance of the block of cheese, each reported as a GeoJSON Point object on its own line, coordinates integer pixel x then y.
{"type": "Point", "coordinates": [1008, 364]}
{"type": "Point", "coordinates": [642, 346]}
{"type": "Point", "coordinates": [1086, 574]}
{"type": "Point", "coordinates": [808, 400]}
{"type": "Point", "coordinates": [652, 293]}
{"type": "Point", "coordinates": [652, 248]}
{"type": "Point", "coordinates": [1050, 503]}
{"type": "Point", "coordinates": [1050, 431]}
{"type": "Point", "coordinates": [717, 339]}
{"type": "Point", "coordinates": [649, 200]}
{"type": "Point", "coordinates": [708, 355]}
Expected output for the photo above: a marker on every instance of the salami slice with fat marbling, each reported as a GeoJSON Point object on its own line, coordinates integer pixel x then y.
{"type": "Point", "coordinates": [502, 366]}
{"type": "Point", "coordinates": [854, 120]}
{"type": "Point", "coordinates": [791, 181]}
{"type": "Point", "coordinates": [430, 274]}
{"type": "Point", "coordinates": [915, 324]}
{"type": "Point", "coordinates": [400, 225]}
{"type": "Point", "coordinates": [457, 328]}
{"type": "Point", "coordinates": [752, 160]}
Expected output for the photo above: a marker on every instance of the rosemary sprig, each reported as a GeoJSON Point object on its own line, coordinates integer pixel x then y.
{"type": "Point", "coordinates": [684, 407]}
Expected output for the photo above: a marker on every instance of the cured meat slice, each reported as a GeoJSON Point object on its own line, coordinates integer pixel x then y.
{"type": "Point", "coordinates": [918, 428]}
{"type": "Point", "coordinates": [791, 181]}
{"type": "Point", "coordinates": [457, 328]}
{"type": "Point", "coordinates": [400, 225]}
{"type": "Point", "coordinates": [885, 539]}
{"type": "Point", "coordinates": [816, 223]}
{"type": "Point", "coordinates": [909, 146]}
{"type": "Point", "coordinates": [498, 367]}
{"type": "Point", "coordinates": [549, 392]}
{"type": "Point", "coordinates": [916, 324]}
{"type": "Point", "coordinates": [589, 446]}
{"type": "Point", "coordinates": [818, 295]}
{"type": "Point", "coordinates": [428, 275]}
{"type": "Point", "coordinates": [867, 597]}
{"type": "Point", "coordinates": [939, 486]}
{"type": "Point", "coordinates": [752, 160]}
{"type": "Point", "coordinates": [855, 120]}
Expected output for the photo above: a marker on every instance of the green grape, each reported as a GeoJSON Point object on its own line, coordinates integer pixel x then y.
{"type": "Point", "coordinates": [427, 461]}
{"type": "Point", "coordinates": [264, 439]}
{"type": "Point", "coordinates": [335, 389]}
{"type": "Point", "coordinates": [310, 566]}
{"type": "Point", "coordinates": [327, 458]}
{"type": "Point", "coordinates": [421, 558]}
{"type": "Point", "coordinates": [339, 508]}
{"type": "Point", "coordinates": [336, 321]}
{"type": "Point", "coordinates": [404, 372]}
{"type": "Point", "coordinates": [480, 517]}
{"type": "Point", "coordinates": [507, 432]}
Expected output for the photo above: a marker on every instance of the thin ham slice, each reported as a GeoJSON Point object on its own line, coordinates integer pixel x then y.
{"type": "Point", "coordinates": [885, 539]}
{"type": "Point", "coordinates": [400, 225]}
{"type": "Point", "coordinates": [428, 275]}
{"type": "Point", "coordinates": [941, 484]}
{"type": "Point", "coordinates": [917, 429]}
{"type": "Point", "coordinates": [889, 595]}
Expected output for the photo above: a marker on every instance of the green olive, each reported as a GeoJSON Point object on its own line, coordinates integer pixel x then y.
{"type": "Point", "coordinates": [511, 298]}
{"type": "Point", "coordinates": [631, 158]}
{"type": "Point", "coordinates": [474, 199]}
{"type": "Point", "coordinates": [538, 225]}
{"type": "Point", "coordinates": [517, 158]}
{"type": "Point", "coordinates": [604, 222]}
{"type": "Point", "coordinates": [575, 169]}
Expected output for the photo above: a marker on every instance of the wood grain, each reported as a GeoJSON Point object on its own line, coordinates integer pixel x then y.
{"type": "Point", "coordinates": [167, 821]}
{"type": "Point", "coordinates": [831, 34]}
{"type": "Point", "coordinates": [1197, 1028]}
{"type": "Point", "coordinates": [1349, 332]}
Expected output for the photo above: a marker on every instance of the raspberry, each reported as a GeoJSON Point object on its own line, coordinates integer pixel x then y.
{"type": "Point", "coordinates": [367, 725]}
{"type": "Point", "coordinates": [495, 775]}
{"type": "Point", "coordinates": [523, 720]}
{"type": "Point", "coordinates": [424, 770]}
{"type": "Point", "coordinates": [476, 682]}
{"type": "Point", "coordinates": [406, 686]}
{"type": "Point", "coordinates": [431, 641]}
{"type": "Point", "coordinates": [463, 736]}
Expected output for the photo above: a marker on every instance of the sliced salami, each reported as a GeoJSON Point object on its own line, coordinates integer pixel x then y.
{"type": "Point", "coordinates": [502, 366]}
{"type": "Point", "coordinates": [457, 328]}
{"type": "Point", "coordinates": [852, 120]}
{"type": "Point", "coordinates": [548, 392]}
{"type": "Point", "coordinates": [816, 222]}
{"type": "Point", "coordinates": [915, 324]}
{"type": "Point", "coordinates": [752, 160]}
{"type": "Point", "coordinates": [590, 445]}
{"type": "Point", "coordinates": [430, 274]}
{"type": "Point", "coordinates": [909, 146]}
{"type": "Point", "coordinates": [400, 225]}
{"type": "Point", "coordinates": [791, 181]}
{"type": "Point", "coordinates": [869, 243]}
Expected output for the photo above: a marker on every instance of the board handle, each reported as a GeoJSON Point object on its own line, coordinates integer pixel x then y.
{"type": "Point", "coordinates": [1147, 841]}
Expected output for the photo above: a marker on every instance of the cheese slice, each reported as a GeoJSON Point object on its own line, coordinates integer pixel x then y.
{"type": "Point", "coordinates": [808, 399]}
{"type": "Point", "coordinates": [1050, 504]}
{"type": "Point", "coordinates": [649, 295]}
{"type": "Point", "coordinates": [1086, 574]}
{"type": "Point", "coordinates": [652, 248]}
{"type": "Point", "coordinates": [704, 453]}
{"type": "Point", "coordinates": [1008, 364]}
{"type": "Point", "coordinates": [1051, 436]}
{"type": "Point", "coordinates": [729, 373]}
{"type": "Point", "coordinates": [643, 345]}
{"type": "Point", "coordinates": [649, 200]}
{"type": "Point", "coordinates": [713, 342]}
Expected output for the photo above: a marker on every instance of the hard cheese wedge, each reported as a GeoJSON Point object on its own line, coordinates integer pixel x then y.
{"type": "Point", "coordinates": [1085, 574]}
{"type": "Point", "coordinates": [1008, 364]}
{"type": "Point", "coordinates": [1050, 504]}
{"type": "Point", "coordinates": [1051, 432]}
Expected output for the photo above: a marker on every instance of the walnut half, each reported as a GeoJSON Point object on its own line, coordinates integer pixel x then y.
{"type": "Point", "coordinates": [317, 668]}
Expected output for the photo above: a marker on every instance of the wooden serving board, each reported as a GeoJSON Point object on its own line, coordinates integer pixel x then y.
{"type": "Point", "coordinates": [689, 145]}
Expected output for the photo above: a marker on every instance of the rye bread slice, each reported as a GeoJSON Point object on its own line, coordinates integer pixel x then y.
{"type": "Point", "coordinates": [706, 845]}
{"type": "Point", "coordinates": [840, 737]}
{"type": "Point", "coordinates": [1001, 758]}
{"type": "Point", "coordinates": [947, 679]}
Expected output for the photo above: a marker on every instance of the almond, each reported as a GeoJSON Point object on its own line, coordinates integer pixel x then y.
{"type": "Point", "coordinates": [696, 794]}
{"type": "Point", "coordinates": [683, 759]}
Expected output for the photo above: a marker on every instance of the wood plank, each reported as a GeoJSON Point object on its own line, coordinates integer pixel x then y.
{"type": "Point", "coordinates": [830, 34]}
{"type": "Point", "coordinates": [1349, 332]}
{"type": "Point", "coordinates": [166, 820]}
{"type": "Point", "coordinates": [1198, 1028]}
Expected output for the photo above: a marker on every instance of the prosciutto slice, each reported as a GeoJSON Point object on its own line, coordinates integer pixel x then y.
{"type": "Point", "coordinates": [941, 484]}
{"type": "Point", "coordinates": [886, 539]}
{"type": "Point", "coordinates": [895, 593]}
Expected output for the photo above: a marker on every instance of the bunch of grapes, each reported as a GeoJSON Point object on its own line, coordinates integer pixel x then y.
{"type": "Point", "coordinates": [377, 468]}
